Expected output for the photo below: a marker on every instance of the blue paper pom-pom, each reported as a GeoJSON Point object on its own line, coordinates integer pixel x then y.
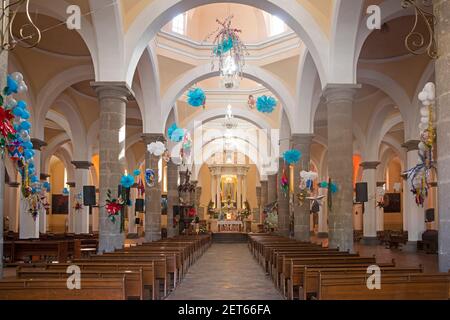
{"type": "Point", "coordinates": [292, 156]}
{"type": "Point", "coordinates": [196, 97]}
{"type": "Point", "coordinates": [136, 172]}
{"type": "Point", "coordinates": [127, 181]}
{"type": "Point", "coordinates": [266, 104]}
{"type": "Point", "coordinates": [171, 129]}
{"type": "Point", "coordinates": [178, 135]}
{"type": "Point", "coordinates": [224, 47]}
{"type": "Point", "coordinates": [334, 188]}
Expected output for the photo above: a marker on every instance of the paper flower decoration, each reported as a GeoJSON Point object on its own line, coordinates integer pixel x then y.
{"type": "Point", "coordinates": [334, 188]}
{"type": "Point", "coordinates": [266, 104]}
{"type": "Point", "coordinates": [292, 156]}
{"type": "Point", "coordinates": [156, 148]}
{"type": "Point", "coordinates": [196, 97]}
{"type": "Point", "coordinates": [309, 175]}
{"type": "Point", "coordinates": [171, 129]}
{"type": "Point", "coordinates": [127, 181]}
{"type": "Point", "coordinates": [177, 135]}
{"type": "Point", "coordinates": [136, 172]}
{"type": "Point", "coordinates": [65, 192]}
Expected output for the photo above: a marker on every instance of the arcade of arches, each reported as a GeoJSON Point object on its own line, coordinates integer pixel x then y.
{"type": "Point", "coordinates": [347, 100]}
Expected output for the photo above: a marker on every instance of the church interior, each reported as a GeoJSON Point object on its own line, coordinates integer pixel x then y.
{"type": "Point", "coordinates": [213, 150]}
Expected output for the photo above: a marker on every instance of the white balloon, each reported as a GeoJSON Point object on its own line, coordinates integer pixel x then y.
{"type": "Point", "coordinates": [11, 103]}
{"type": "Point", "coordinates": [176, 160]}
{"type": "Point", "coordinates": [423, 96]}
{"type": "Point", "coordinates": [17, 76]}
{"type": "Point", "coordinates": [22, 88]}
{"type": "Point", "coordinates": [424, 112]}
{"type": "Point", "coordinates": [425, 120]}
{"type": "Point", "coordinates": [427, 102]}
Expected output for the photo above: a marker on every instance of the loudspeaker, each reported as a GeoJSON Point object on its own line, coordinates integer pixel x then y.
{"type": "Point", "coordinates": [89, 197]}
{"type": "Point", "coordinates": [139, 206]}
{"type": "Point", "coordinates": [137, 221]}
{"type": "Point", "coordinates": [429, 215]}
{"type": "Point", "coordinates": [361, 192]}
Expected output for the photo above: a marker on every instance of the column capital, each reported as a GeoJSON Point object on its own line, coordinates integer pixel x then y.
{"type": "Point", "coordinates": [14, 184]}
{"type": "Point", "coordinates": [71, 184]}
{"type": "Point", "coordinates": [381, 183]}
{"type": "Point", "coordinates": [38, 144]}
{"type": "Point", "coordinates": [153, 137]}
{"type": "Point", "coordinates": [82, 165]}
{"type": "Point", "coordinates": [112, 90]}
{"type": "Point", "coordinates": [411, 145]}
{"type": "Point", "coordinates": [302, 138]}
{"type": "Point", "coordinates": [44, 176]}
{"type": "Point", "coordinates": [367, 165]}
{"type": "Point", "coordinates": [340, 92]}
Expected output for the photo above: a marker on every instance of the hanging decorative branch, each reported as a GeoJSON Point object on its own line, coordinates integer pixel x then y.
{"type": "Point", "coordinates": [415, 42]}
{"type": "Point", "coordinates": [420, 175]}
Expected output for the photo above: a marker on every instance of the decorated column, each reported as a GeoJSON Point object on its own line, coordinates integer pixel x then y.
{"type": "Point", "coordinates": [71, 186]}
{"type": "Point", "coordinates": [37, 146]}
{"type": "Point", "coordinates": [272, 186]}
{"type": "Point", "coordinates": [3, 74]}
{"type": "Point", "coordinates": [13, 206]}
{"type": "Point", "coordinates": [302, 216]}
{"type": "Point", "coordinates": [340, 165]}
{"type": "Point", "coordinates": [370, 208]}
{"type": "Point", "coordinates": [442, 69]}
{"type": "Point", "coordinates": [131, 214]}
{"type": "Point", "coordinates": [172, 197]}
{"type": "Point", "coordinates": [152, 191]}
{"type": "Point", "coordinates": [415, 215]}
{"type": "Point", "coordinates": [81, 212]}
{"type": "Point", "coordinates": [379, 203]}
{"type": "Point", "coordinates": [257, 213]}
{"type": "Point", "coordinates": [323, 214]}
{"type": "Point", "coordinates": [283, 201]}
{"type": "Point", "coordinates": [113, 98]}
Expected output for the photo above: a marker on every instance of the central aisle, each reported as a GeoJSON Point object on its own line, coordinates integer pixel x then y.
{"type": "Point", "coordinates": [226, 272]}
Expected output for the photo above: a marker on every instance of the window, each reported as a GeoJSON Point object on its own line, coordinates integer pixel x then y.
{"type": "Point", "coordinates": [276, 26]}
{"type": "Point", "coordinates": [179, 24]}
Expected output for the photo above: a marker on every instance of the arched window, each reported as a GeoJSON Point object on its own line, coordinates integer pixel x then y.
{"type": "Point", "coordinates": [179, 24]}
{"type": "Point", "coordinates": [276, 26]}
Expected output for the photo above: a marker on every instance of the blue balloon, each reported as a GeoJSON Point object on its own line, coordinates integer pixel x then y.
{"type": "Point", "coordinates": [25, 125]}
{"type": "Point", "coordinates": [22, 104]}
{"type": "Point", "coordinates": [31, 165]}
{"type": "Point", "coordinates": [11, 86]}
{"type": "Point", "coordinates": [31, 171]}
{"type": "Point", "coordinates": [25, 114]}
{"type": "Point", "coordinates": [28, 154]}
{"type": "Point", "coordinates": [34, 179]}
{"type": "Point", "coordinates": [18, 112]}
{"type": "Point", "coordinates": [27, 145]}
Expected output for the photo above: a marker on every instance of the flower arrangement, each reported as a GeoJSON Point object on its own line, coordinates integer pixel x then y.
{"type": "Point", "coordinates": [266, 104]}
{"type": "Point", "coordinates": [114, 206]}
{"type": "Point", "coordinates": [196, 98]}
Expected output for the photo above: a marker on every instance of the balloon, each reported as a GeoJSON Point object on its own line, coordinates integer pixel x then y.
{"type": "Point", "coordinates": [31, 171]}
{"type": "Point", "coordinates": [28, 154]}
{"type": "Point", "coordinates": [11, 86]}
{"type": "Point", "coordinates": [28, 145]}
{"type": "Point", "coordinates": [22, 104]}
{"type": "Point", "coordinates": [34, 179]}
{"type": "Point", "coordinates": [10, 104]}
{"type": "Point", "coordinates": [22, 88]}
{"type": "Point", "coordinates": [17, 76]}
{"type": "Point", "coordinates": [425, 120]}
{"type": "Point", "coordinates": [18, 112]}
{"type": "Point", "coordinates": [424, 112]}
{"type": "Point", "coordinates": [25, 125]}
{"type": "Point", "coordinates": [24, 136]}
{"type": "Point", "coordinates": [25, 115]}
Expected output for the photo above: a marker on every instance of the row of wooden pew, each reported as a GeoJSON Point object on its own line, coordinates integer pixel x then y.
{"type": "Point", "coordinates": [147, 271]}
{"type": "Point", "coordinates": [306, 271]}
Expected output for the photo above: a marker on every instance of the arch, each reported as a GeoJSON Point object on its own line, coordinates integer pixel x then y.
{"type": "Point", "coordinates": [51, 148]}
{"type": "Point", "coordinates": [160, 12]}
{"type": "Point", "coordinates": [58, 118]}
{"type": "Point", "coordinates": [92, 137]}
{"type": "Point", "coordinates": [54, 88]}
{"type": "Point", "coordinates": [252, 72]}
{"type": "Point", "coordinates": [65, 157]}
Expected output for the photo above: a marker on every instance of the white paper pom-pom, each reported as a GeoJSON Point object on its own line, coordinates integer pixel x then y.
{"type": "Point", "coordinates": [425, 120]}
{"type": "Point", "coordinates": [424, 112]}
{"type": "Point", "coordinates": [156, 148]}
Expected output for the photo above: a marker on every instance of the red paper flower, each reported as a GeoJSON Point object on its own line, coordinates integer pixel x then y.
{"type": "Point", "coordinates": [5, 122]}
{"type": "Point", "coordinates": [192, 212]}
{"type": "Point", "coordinates": [113, 208]}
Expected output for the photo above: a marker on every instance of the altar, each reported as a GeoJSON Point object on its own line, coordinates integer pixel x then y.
{"type": "Point", "coordinates": [230, 226]}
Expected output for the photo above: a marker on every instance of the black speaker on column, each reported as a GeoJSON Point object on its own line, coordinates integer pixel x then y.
{"type": "Point", "coordinates": [429, 215]}
{"type": "Point", "coordinates": [362, 194]}
{"type": "Point", "coordinates": [89, 197]}
{"type": "Point", "coordinates": [140, 205]}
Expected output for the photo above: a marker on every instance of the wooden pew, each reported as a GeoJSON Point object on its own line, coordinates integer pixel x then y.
{"type": "Point", "coordinates": [134, 286]}
{"type": "Point", "coordinates": [393, 287]}
{"type": "Point", "coordinates": [56, 289]}
{"type": "Point", "coordinates": [17, 250]}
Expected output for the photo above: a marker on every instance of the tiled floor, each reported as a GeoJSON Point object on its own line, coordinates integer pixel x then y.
{"type": "Point", "coordinates": [226, 272]}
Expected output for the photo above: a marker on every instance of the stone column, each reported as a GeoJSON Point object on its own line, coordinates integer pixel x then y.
{"type": "Point", "coordinates": [81, 225]}
{"type": "Point", "coordinates": [283, 204]}
{"type": "Point", "coordinates": [264, 195]}
{"type": "Point", "coordinates": [37, 146]}
{"type": "Point", "coordinates": [13, 206]}
{"type": "Point", "coordinates": [379, 211]}
{"type": "Point", "coordinates": [323, 215]}
{"type": "Point", "coordinates": [340, 164]}
{"type": "Point", "coordinates": [370, 208]}
{"type": "Point", "coordinates": [131, 214]}
{"type": "Point", "coordinates": [113, 98]}
{"type": "Point", "coordinates": [272, 186]}
{"type": "Point", "coordinates": [244, 189]}
{"type": "Point", "coordinates": [257, 214]}
{"type": "Point", "coordinates": [442, 69]}
{"type": "Point", "coordinates": [239, 192]}
{"type": "Point", "coordinates": [71, 214]}
{"type": "Point", "coordinates": [213, 189]}
{"type": "Point", "coordinates": [415, 215]}
{"type": "Point", "coordinates": [198, 196]}
{"type": "Point", "coordinates": [302, 215]}
{"type": "Point", "coordinates": [172, 197]}
{"type": "Point", "coordinates": [218, 192]}
{"type": "Point", "coordinates": [152, 194]}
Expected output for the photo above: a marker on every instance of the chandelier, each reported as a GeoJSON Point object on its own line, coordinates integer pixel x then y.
{"type": "Point", "coordinates": [228, 53]}
{"type": "Point", "coordinates": [29, 34]}
{"type": "Point", "coordinates": [416, 42]}
{"type": "Point", "coordinates": [230, 121]}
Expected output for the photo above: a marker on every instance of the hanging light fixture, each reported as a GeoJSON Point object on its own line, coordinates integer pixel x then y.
{"type": "Point", "coordinates": [29, 34]}
{"type": "Point", "coordinates": [416, 42]}
{"type": "Point", "coordinates": [228, 53]}
{"type": "Point", "coordinates": [230, 121]}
